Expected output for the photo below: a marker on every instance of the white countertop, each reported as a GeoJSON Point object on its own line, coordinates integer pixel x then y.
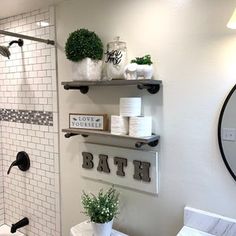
{"type": "Point", "coordinates": [187, 231]}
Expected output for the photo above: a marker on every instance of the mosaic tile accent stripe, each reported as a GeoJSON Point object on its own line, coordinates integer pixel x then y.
{"type": "Point", "coordinates": [27, 116]}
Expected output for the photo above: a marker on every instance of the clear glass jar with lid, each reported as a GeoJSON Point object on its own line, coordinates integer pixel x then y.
{"type": "Point", "coordinates": [116, 59]}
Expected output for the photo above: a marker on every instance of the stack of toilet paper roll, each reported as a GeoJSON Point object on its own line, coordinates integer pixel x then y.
{"type": "Point", "coordinates": [140, 126]}
{"type": "Point", "coordinates": [130, 120]}
{"type": "Point", "coordinates": [119, 125]}
{"type": "Point", "coordinates": [130, 106]}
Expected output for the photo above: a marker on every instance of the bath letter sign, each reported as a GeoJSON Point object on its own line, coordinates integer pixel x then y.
{"type": "Point", "coordinates": [136, 169]}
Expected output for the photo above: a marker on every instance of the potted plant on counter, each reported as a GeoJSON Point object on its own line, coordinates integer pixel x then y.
{"type": "Point", "coordinates": [101, 209]}
{"type": "Point", "coordinates": [140, 67]}
{"type": "Point", "coordinates": [85, 49]}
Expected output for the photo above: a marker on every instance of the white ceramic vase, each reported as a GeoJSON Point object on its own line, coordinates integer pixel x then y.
{"type": "Point", "coordinates": [87, 69]}
{"type": "Point", "coordinates": [102, 229]}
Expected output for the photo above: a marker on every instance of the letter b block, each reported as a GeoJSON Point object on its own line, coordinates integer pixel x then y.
{"type": "Point", "coordinates": [87, 160]}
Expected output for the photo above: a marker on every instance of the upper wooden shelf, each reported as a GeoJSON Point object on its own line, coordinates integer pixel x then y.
{"type": "Point", "coordinates": [152, 86]}
{"type": "Point", "coordinates": [139, 141]}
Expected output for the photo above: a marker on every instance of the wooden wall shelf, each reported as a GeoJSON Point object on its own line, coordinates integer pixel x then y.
{"type": "Point", "coordinates": [139, 142]}
{"type": "Point", "coordinates": [152, 86]}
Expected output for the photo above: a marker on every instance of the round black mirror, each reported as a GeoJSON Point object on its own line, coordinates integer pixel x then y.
{"type": "Point", "coordinates": [227, 132]}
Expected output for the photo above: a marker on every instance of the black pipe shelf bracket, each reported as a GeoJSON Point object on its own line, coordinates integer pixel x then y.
{"type": "Point", "coordinates": [151, 141]}
{"type": "Point", "coordinates": [83, 89]}
{"type": "Point", "coordinates": [151, 85]}
{"type": "Point", "coordinates": [68, 135]}
{"type": "Point", "coordinates": [151, 88]}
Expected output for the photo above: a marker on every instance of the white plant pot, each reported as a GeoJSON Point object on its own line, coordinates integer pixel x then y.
{"type": "Point", "coordinates": [102, 229]}
{"type": "Point", "coordinates": [145, 71]}
{"type": "Point", "coordinates": [134, 71]}
{"type": "Point", "coordinates": [87, 69]}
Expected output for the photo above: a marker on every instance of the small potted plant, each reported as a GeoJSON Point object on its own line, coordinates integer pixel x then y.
{"type": "Point", "coordinates": [101, 210]}
{"type": "Point", "coordinates": [140, 67]}
{"type": "Point", "coordinates": [85, 49]}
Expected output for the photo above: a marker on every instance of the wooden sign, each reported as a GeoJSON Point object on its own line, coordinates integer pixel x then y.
{"type": "Point", "coordinates": [135, 169]}
{"type": "Point", "coordinates": [88, 121]}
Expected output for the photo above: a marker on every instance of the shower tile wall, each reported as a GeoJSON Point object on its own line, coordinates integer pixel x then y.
{"type": "Point", "coordinates": [1, 187]}
{"type": "Point", "coordinates": [28, 108]}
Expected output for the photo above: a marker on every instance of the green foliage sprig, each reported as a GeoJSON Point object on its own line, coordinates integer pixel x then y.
{"type": "Point", "coordinates": [83, 43]}
{"type": "Point", "coordinates": [102, 208]}
{"type": "Point", "coordinates": [145, 60]}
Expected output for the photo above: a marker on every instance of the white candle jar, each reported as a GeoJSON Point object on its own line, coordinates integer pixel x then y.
{"type": "Point", "coordinates": [116, 59]}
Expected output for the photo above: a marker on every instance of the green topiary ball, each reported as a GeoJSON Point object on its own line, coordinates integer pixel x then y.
{"type": "Point", "coordinates": [83, 43]}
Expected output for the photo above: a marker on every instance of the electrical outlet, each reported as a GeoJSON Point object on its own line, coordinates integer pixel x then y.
{"type": "Point", "coordinates": [229, 134]}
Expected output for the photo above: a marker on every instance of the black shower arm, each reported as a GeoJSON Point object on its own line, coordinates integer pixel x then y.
{"type": "Point", "coordinates": [47, 41]}
{"type": "Point", "coordinates": [20, 42]}
{"type": "Point", "coordinates": [12, 42]}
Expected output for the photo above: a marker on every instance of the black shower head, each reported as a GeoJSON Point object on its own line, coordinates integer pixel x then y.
{"type": "Point", "coordinates": [4, 51]}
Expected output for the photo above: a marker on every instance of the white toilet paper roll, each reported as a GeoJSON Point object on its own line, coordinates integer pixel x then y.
{"type": "Point", "coordinates": [119, 125]}
{"type": "Point", "coordinates": [130, 106]}
{"type": "Point", "coordinates": [140, 126]}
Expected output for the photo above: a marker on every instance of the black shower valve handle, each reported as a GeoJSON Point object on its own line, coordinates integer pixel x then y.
{"type": "Point", "coordinates": [22, 161]}
{"type": "Point", "coordinates": [14, 163]}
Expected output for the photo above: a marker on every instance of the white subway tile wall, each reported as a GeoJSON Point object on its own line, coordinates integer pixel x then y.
{"type": "Point", "coordinates": [1, 184]}
{"type": "Point", "coordinates": [27, 78]}
{"type": "Point", "coordinates": [28, 82]}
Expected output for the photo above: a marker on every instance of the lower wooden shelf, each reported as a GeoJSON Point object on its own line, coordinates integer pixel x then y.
{"type": "Point", "coordinates": [139, 141]}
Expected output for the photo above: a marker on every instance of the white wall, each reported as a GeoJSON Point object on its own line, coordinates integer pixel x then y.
{"type": "Point", "coordinates": [195, 56]}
